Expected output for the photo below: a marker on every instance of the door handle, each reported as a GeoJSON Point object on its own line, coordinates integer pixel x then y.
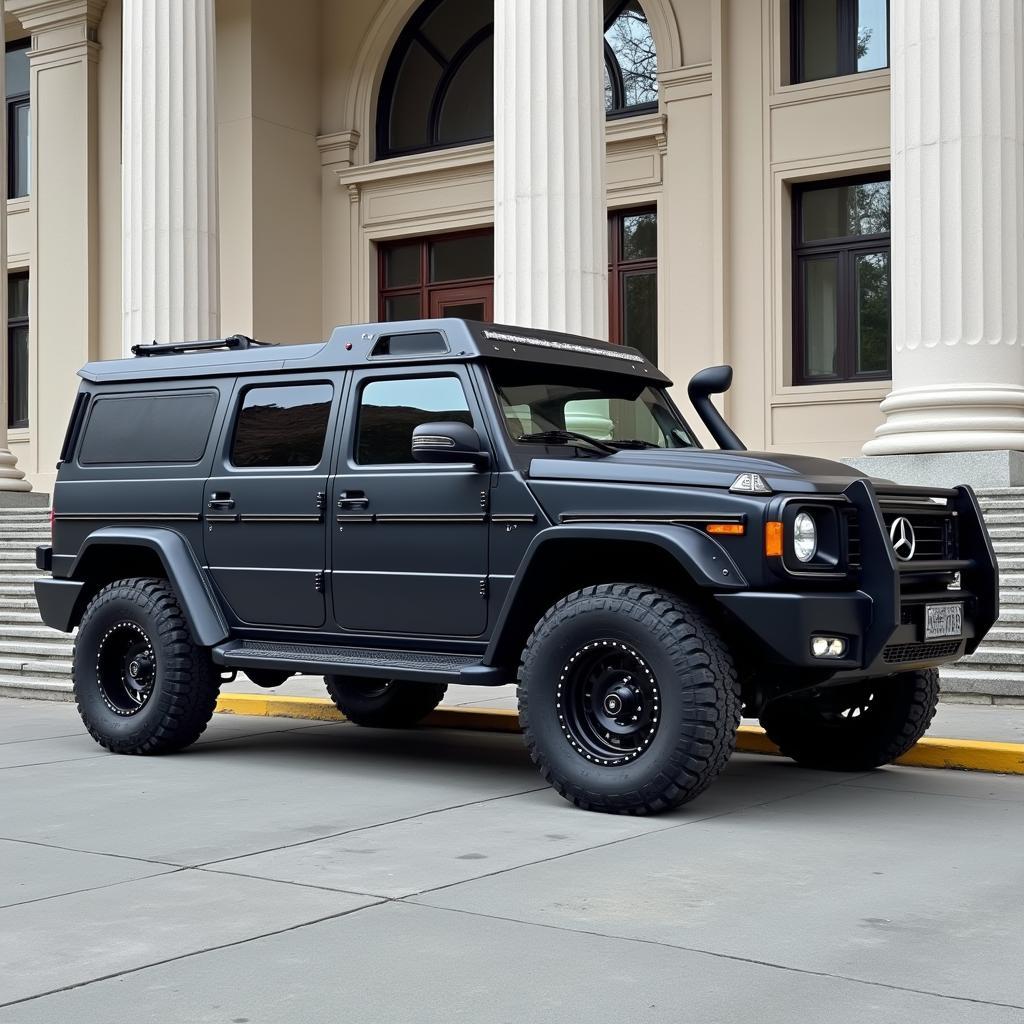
{"type": "Point", "coordinates": [220, 502]}
{"type": "Point", "coordinates": [353, 500]}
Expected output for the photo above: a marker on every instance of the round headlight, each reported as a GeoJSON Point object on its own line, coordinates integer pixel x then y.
{"type": "Point", "coordinates": [805, 537]}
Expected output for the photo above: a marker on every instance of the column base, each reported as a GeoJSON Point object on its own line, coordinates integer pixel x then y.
{"type": "Point", "coordinates": [980, 469]}
{"type": "Point", "coordinates": [951, 418]}
{"type": "Point", "coordinates": [12, 480]}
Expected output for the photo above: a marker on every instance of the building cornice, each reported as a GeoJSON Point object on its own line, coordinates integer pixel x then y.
{"type": "Point", "coordinates": [48, 14]}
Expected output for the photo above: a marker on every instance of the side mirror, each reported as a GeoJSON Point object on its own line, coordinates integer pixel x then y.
{"type": "Point", "coordinates": [714, 381]}
{"type": "Point", "coordinates": [448, 442]}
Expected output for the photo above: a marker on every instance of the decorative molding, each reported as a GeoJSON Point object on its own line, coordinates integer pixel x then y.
{"type": "Point", "coordinates": [686, 82]}
{"type": "Point", "coordinates": [50, 14]}
{"type": "Point", "coordinates": [338, 148]}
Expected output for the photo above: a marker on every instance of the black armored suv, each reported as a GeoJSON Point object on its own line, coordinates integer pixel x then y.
{"type": "Point", "coordinates": [413, 505]}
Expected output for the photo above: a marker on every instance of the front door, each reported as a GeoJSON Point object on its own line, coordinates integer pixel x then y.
{"type": "Point", "coordinates": [409, 554]}
{"type": "Point", "coordinates": [265, 503]}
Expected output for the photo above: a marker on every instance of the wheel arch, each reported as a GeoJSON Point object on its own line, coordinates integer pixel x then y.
{"type": "Point", "coordinates": [562, 559]}
{"type": "Point", "coordinates": [113, 553]}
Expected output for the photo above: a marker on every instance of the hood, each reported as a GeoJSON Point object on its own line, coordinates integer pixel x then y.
{"type": "Point", "coordinates": [698, 467]}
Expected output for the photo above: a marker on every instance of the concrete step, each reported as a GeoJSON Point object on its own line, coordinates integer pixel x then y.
{"type": "Point", "coordinates": [58, 669]}
{"type": "Point", "coordinates": [1000, 633]}
{"type": "Point", "coordinates": [1008, 517]}
{"type": "Point", "coordinates": [34, 631]}
{"type": "Point", "coordinates": [1008, 614]}
{"type": "Point", "coordinates": [1011, 580]}
{"type": "Point", "coordinates": [1004, 532]}
{"type": "Point", "coordinates": [1008, 598]}
{"type": "Point", "coordinates": [19, 600]}
{"type": "Point", "coordinates": [22, 516]}
{"type": "Point", "coordinates": [16, 568]}
{"type": "Point", "coordinates": [1008, 545]}
{"type": "Point", "coordinates": [22, 590]}
{"type": "Point", "coordinates": [38, 687]}
{"type": "Point", "coordinates": [998, 655]}
{"type": "Point", "coordinates": [1008, 563]}
{"type": "Point", "coordinates": [19, 616]}
{"type": "Point", "coordinates": [960, 678]}
{"type": "Point", "coordinates": [10, 578]}
{"type": "Point", "coordinates": [60, 647]}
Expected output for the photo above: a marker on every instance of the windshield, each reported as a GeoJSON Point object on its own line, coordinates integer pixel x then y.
{"type": "Point", "coordinates": [538, 400]}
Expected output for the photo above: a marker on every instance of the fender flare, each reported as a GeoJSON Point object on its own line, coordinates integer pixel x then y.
{"type": "Point", "coordinates": [198, 603]}
{"type": "Point", "coordinates": [700, 558]}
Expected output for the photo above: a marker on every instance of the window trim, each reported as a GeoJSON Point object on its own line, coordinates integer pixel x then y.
{"type": "Point", "coordinates": [14, 322]}
{"type": "Point", "coordinates": [619, 109]}
{"type": "Point", "coordinates": [14, 102]}
{"type": "Point", "coordinates": [846, 42]}
{"type": "Point", "coordinates": [844, 249]}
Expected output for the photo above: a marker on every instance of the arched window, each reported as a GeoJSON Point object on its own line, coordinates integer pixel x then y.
{"type": "Point", "coordinates": [438, 86]}
{"type": "Point", "coordinates": [630, 63]}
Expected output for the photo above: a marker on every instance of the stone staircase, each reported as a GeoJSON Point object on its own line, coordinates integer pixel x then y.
{"type": "Point", "coordinates": [995, 672]}
{"type": "Point", "coordinates": [35, 661]}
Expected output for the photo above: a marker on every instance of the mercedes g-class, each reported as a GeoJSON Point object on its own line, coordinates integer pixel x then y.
{"type": "Point", "coordinates": [413, 505]}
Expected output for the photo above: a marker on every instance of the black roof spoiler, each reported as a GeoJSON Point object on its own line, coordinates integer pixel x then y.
{"type": "Point", "coordinates": [173, 348]}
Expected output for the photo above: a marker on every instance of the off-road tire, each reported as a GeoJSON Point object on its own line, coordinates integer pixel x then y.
{"type": "Point", "coordinates": [384, 704]}
{"type": "Point", "coordinates": [696, 698]}
{"type": "Point", "coordinates": [183, 693]}
{"type": "Point", "coordinates": [820, 730]}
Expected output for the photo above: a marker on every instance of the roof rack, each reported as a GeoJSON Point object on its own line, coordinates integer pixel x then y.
{"type": "Point", "coordinates": [172, 348]}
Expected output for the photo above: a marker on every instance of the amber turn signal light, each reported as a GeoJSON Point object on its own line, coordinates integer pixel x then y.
{"type": "Point", "coordinates": [773, 539]}
{"type": "Point", "coordinates": [730, 529]}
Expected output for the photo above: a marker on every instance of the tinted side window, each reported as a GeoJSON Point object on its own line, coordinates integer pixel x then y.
{"type": "Point", "coordinates": [149, 428]}
{"type": "Point", "coordinates": [390, 409]}
{"type": "Point", "coordinates": [282, 426]}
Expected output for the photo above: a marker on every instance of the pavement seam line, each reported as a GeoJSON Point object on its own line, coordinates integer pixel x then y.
{"type": "Point", "coordinates": [721, 956]}
{"type": "Point", "coordinates": [187, 956]}
{"type": "Point", "coordinates": [93, 853]}
{"type": "Point", "coordinates": [92, 888]}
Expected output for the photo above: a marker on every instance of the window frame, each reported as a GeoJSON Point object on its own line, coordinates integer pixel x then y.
{"type": "Point", "coordinates": [238, 407]}
{"type": "Point", "coordinates": [619, 109]}
{"type": "Point", "coordinates": [846, 42]}
{"type": "Point", "coordinates": [619, 269]}
{"type": "Point", "coordinates": [13, 323]}
{"type": "Point", "coordinates": [845, 249]}
{"type": "Point", "coordinates": [15, 101]}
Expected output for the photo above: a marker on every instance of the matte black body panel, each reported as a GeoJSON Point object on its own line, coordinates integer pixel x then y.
{"type": "Point", "coordinates": [58, 602]}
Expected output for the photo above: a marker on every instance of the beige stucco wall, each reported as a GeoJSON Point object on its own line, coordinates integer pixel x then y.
{"type": "Point", "coordinates": [302, 203]}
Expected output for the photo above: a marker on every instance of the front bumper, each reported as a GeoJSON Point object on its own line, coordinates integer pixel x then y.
{"type": "Point", "coordinates": [883, 620]}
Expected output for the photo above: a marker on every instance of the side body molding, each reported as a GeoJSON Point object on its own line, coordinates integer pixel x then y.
{"type": "Point", "coordinates": [198, 602]}
{"type": "Point", "coordinates": [700, 558]}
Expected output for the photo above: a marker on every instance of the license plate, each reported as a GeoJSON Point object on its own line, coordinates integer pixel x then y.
{"type": "Point", "coordinates": [942, 620]}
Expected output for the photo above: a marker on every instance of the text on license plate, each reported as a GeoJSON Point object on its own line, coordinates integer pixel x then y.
{"type": "Point", "coordinates": [943, 620]}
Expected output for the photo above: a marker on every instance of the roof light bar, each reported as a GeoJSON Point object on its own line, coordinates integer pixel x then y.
{"type": "Point", "coordinates": [563, 346]}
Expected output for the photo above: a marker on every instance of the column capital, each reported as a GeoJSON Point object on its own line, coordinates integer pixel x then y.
{"type": "Point", "coordinates": [36, 15]}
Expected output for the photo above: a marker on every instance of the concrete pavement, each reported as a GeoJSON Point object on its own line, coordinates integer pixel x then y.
{"type": "Point", "coordinates": [295, 871]}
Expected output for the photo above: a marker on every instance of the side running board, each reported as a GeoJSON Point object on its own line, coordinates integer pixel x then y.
{"type": "Point", "coordinates": [362, 662]}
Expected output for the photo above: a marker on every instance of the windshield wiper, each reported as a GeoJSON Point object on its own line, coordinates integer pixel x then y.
{"type": "Point", "coordinates": [632, 442]}
{"type": "Point", "coordinates": [567, 437]}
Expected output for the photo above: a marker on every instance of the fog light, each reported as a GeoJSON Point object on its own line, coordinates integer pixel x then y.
{"type": "Point", "coordinates": [828, 646]}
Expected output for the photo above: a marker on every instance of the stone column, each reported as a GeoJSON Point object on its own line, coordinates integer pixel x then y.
{"type": "Point", "coordinates": [11, 478]}
{"type": "Point", "coordinates": [169, 172]}
{"type": "Point", "coordinates": [550, 217]}
{"type": "Point", "coordinates": [957, 230]}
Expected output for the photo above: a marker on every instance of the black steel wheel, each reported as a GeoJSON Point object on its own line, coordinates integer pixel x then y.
{"type": "Point", "coordinates": [383, 703]}
{"type": "Point", "coordinates": [855, 727]}
{"type": "Point", "coordinates": [142, 683]}
{"type": "Point", "coordinates": [628, 699]}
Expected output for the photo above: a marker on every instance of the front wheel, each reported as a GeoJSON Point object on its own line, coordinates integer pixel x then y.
{"type": "Point", "coordinates": [142, 683]}
{"type": "Point", "coordinates": [855, 727]}
{"type": "Point", "coordinates": [628, 699]}
{"type": "Point", "coordinates": [382, 703]}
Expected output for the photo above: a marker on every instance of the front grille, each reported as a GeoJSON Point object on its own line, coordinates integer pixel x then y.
{"type": "Point", "coordinates": [898, 654]}
{"type": "Point", "coordinates": [852, 538]}
{"type": "Point", "coordinates": [934, 530]}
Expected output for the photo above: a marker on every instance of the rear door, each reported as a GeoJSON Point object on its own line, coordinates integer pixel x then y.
{"type": "Point", "coordinates": [264, 504]}
{"type": "Point", "coordinates": [409, 553]}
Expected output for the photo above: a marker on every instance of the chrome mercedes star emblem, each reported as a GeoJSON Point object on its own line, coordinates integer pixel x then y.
{"type": "Point", "coordinates": [904, 542]}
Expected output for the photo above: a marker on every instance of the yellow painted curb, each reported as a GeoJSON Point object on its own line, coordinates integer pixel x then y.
{"type": "Point", "coordinates": [931, 752]}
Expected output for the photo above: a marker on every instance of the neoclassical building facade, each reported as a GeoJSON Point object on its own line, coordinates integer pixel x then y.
{"type": "Point", "coordinates": [709, 180]}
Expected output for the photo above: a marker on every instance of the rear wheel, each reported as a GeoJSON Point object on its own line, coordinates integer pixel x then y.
{"type": "Point", "coordinates": [628, 699]}
{"type": "Point", "coordinates": [855, 727]}
{"type": "Point", "coordinates": [383, 703]}
{"type": "Point", "coordinates": [142, 683]}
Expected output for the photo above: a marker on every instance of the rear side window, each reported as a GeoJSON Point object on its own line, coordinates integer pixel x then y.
{"type": "Point", "coordinates": [391, 409]}
{"type": "Point", "coordinates": [158, 427]}
{"type": "Point", "coordinates": [282, 426]}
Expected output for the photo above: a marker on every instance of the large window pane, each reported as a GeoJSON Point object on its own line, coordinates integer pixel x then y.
{"type": "Point", "coordinates": [845, 210]}
{"type": "Point", "coordinates": [402, 265]}
{"type": "Point", "coordinates": [821, 316]}
{"type": "Point", "coordinates": [459, 259]}
{"type": "Point", "coordinates": [873, 348]}
{"type": "Point", "coordinates": [417, 79]}
{"type": "Point", "coordinates": [282, 426]}
{"type": "Point", "coordinates": [391, 409]}
{"type": "Point", "coordinates": [635, 64]}
{"type": "Point", "coordinates": [17, 368]}
{"type": "Point", "coordinates": [402, 307]}
{"type": "Point", "coordinates": [16, 80]}
{"type": "Point", "coordinates": [19, 166]}
{"type": "Point", "coordinates": [17, 296]}
{"type": "Point", "coordinates": [455, 21]}
{"type": "Point", "coordinates": [819, 34]}
{"type": "Point", "coordinates": [467, 113]}
{"type": "Point", "coordinates": [872, 34]}
{"type": "Point", "coordinates": [640, 312]}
